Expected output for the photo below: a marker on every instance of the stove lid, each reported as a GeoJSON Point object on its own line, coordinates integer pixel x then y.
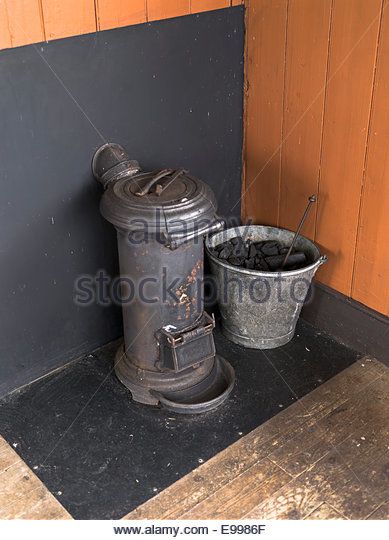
{"type": "Point", "coordinates": [170, 201]}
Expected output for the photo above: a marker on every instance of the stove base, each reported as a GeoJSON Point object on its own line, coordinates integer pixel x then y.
{"type": "Point", "coordinates": [193, 391]}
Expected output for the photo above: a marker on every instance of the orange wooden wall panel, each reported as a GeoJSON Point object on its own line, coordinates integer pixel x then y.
{"type": "Point", "coordinates": [371, 277]}
{"type": "Point", "coordinates": [20, 22]}
{"type": "Point", "coordinates": [31, 21]}
{"type": "Point", "coordinates": [353, 45]}
{"type": "Point", "coordinates": [327, 101]}
{"type": "Point", "coordinates": [207, 5]}
{"type": "Point", "coordinates": [68, 18]}
{"type": "Point", "coordinates": [5, 36]}
{"type": "Point", "coordinates": [116, 13]}
{"type": "Point", "coordinates": [305, 77]}
{"type": "Point", "coordinates": [266, 35]}
{"type": "Point", "coordinates": [164, 9]}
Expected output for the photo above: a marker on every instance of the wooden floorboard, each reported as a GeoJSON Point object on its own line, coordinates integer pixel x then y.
{"type": "Point", "coordinates": [325, 457]}
{"type": "Point", "coordinates": [382, 512]}
{"type": "Point", "coordinates": [245, 490]}
{"type": "Point", "coordinates": [325, 511]}
{"type": "Point", "coordinates": [22, 494]}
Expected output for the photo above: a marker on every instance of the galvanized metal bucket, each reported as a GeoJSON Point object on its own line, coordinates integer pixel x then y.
{"type": "Point", "coordinates": [260, 309]}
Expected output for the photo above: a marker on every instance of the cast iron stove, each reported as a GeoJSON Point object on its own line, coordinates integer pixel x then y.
{"type": "Point", "coordinates": [168, 357]}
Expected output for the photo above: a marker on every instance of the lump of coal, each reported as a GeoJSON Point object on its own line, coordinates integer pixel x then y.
{"type": "Point", "coordinates": [284, 250]}
{"type": "Point", "coordinates": [240, 251]}
{"type": "Point", "coordinates": [296, 259]}
{"type": "Point", "coordinates": [250, 264]}
{"type": "Point", "coordinates": [225, 252]}
{"type": "Point", "coordinates": [239, 247]}
{"type": "Point", "coordinates": [274, 262]}
{"type": "Point", "coordinates": [262, 266]}
{"type": "Point", "coordinates": [252, 251]}
{"type": "Point", "coordinates": [270, 248]}
{"type": "Point", "coordinates": [258, 245]}
{"type": "Point", "coordinates": [236, 261]}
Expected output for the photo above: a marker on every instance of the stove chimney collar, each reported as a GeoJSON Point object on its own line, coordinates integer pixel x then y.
{"type": "Point", "coordinates": [111, 162]}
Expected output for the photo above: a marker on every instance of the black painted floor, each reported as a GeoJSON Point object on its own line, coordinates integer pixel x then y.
{"type": "Point", "coordinates": [102, 455]}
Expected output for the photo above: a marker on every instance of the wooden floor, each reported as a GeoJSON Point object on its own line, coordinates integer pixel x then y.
{"type": "Point", "coordinates": [325, 457]}
{"type": "Point", "coordinates": [22, 494]}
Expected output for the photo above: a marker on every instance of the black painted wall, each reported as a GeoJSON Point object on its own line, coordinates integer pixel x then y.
{"type": "Point", "coordinates": [171, 92]}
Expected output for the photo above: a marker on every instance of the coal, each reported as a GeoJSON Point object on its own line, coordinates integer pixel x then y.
{"type": "Point", "coordinates": [225, 252]}
{"type": "Point", "coordinates": [250, 264]}
{"type": "Point", "coordinates": [270, 248]}
{"type": "Point", "coordinates": [236, 261]}
{"type": "Point", "coordinates": [262, 266]}
{"type": "Point", "coordinates": [297, 260]}
{"type": "Point", "coordinates": [275, 262]}
{"type": "Point", "coordinates": [252, 251]}
{"type": "Point", "coordinates": [241, 250]}
{"type": "Point", "coordinates": [264, 256]}
{"type": "Point", "coordinates": [258, 245]}
{"type": "Point", "coordinates": [284, 250]}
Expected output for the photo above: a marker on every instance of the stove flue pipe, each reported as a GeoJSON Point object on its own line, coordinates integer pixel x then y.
{"type": "Point", "coordinates": [111, 162]}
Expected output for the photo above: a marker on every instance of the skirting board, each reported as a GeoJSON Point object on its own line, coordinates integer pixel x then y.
{"type": "Point", "coordinates": [349, 322]}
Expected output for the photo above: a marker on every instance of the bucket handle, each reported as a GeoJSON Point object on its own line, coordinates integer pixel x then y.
{"type": "Point", "coordinates": [323, 259]}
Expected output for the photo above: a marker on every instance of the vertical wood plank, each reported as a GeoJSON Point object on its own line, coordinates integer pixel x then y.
{"type": "Point", "coordinates": [266, 36]}
{"type": "Point", "coordinates": [20, 23]}
{"type": "Point", "coordinates": [305, 76]}
{"type": "Point", "coordinates": [207, 5]}
{"type": "Point", "coordinates": [237, 2]}
{"type": "Point", "coordinates": [371, 278]}
{"type": "Point", "coordinates": [70, 18]}
{"type": "Point", "coordinates": [165, 9]}
{"type": "Point", "coordinates": [5, 36]}
{"type": "Point", "coordinates": [117, 13]}
{"type": "Point", "coordinates": [351, 67]}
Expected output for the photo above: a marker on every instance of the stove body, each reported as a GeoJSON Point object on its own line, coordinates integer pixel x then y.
{"type": "Point", "coordinates": [168, 357]}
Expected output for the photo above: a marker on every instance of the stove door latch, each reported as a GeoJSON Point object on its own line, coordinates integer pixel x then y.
{"type": "Point", "coordinates": [181, 350]}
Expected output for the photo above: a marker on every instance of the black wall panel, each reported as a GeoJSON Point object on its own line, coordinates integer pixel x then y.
{"type": "Point", "coordinates": [171, 92]}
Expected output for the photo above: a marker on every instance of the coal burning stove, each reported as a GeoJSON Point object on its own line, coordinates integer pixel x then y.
{"type": "Point", "coordinates": [168, 357]}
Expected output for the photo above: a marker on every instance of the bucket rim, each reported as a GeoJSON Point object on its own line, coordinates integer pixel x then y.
{"type": "Point", "coordinates": [321, 258]}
